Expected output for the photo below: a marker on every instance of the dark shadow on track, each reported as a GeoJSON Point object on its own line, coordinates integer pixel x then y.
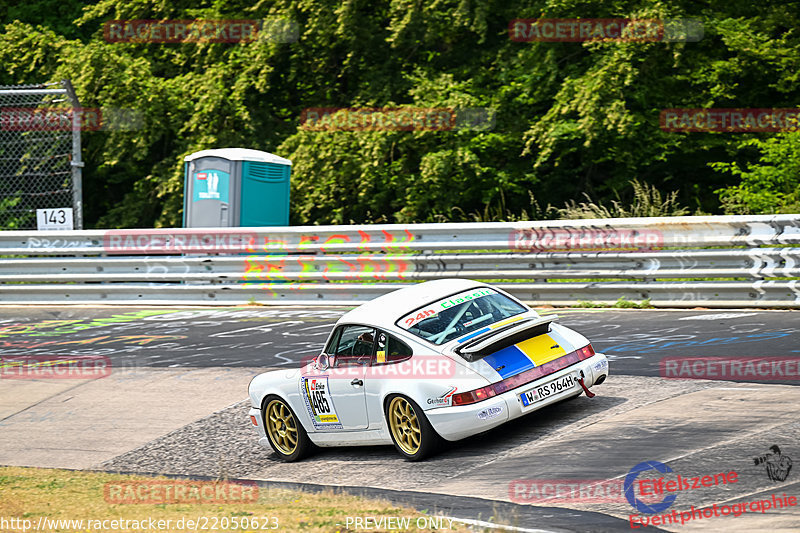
{"type": "Point", "coordinates": [505, 438]}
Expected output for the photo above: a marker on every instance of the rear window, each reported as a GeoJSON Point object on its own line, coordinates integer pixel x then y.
{"type": "Point", "coordinates": [459, 314]}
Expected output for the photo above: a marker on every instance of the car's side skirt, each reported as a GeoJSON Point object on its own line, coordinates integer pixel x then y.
{"type": "Point", "coordinates": [350, 438]}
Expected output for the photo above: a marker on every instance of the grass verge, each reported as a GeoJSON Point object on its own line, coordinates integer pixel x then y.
{"type": "Point", "coordinates": [39, 499]}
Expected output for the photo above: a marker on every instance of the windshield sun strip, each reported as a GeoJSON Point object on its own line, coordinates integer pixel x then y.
{"type": "Point", "coordinates": [413, 320]}
{"type": "Point", "coordinates": [403, 322]}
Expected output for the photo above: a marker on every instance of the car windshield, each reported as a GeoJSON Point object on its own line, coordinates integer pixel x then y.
{"type": "Point", "coordinates": [459, 314]}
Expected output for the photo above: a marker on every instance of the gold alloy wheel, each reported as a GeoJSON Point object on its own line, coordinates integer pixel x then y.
{"type": "Point", "coordinates": [281, 427]}
{"type": "Point", "coordinates": [405, 425]}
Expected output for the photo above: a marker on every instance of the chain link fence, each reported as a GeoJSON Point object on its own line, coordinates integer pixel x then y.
{"type": "Point", "coordinates": [40, 153]}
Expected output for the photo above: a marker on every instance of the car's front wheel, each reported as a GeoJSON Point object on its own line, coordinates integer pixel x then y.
{"type": "Point", "coordinates": [412, 433]}
{"type": "Point", "coordinates": [285, 433]}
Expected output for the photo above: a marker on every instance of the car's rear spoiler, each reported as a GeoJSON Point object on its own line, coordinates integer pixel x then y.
{"type": "Point", "coordinates": [497, 339]}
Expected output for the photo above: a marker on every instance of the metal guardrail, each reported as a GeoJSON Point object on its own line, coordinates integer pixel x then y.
{"type": "Point", "coordinates": [732, 261]}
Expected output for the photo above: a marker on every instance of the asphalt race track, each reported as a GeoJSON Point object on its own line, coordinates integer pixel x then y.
{"type": "Point", "coordinates": [173, 403]}
{"type": "Point", "coordinates": [635, 340]}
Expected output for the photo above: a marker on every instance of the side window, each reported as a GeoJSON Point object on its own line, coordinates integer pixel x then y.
{"type": "Point", "coordinates": [390, 349]}
{"type": "Point", "coordinates": [355, 346]}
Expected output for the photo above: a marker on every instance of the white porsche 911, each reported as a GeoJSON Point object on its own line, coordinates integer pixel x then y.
{"type": "Point", "coordinates": [438, 361]}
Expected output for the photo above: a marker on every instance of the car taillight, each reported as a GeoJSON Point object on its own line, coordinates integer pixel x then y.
{"type": "Point", "coordinates": [484, 393]}
{"type": "Point", "coordinates": [586, 352]}
{"type": "Point", "coordinates": [474, 396]}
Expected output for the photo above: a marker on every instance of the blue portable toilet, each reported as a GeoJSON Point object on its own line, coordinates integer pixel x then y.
{"type": "Point", "coordinates": [235, 187]}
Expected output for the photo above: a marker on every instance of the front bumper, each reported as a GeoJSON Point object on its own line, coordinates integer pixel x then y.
{"type": "Point", "coordinates": [259, 428]}
{"type": "Point", "coordinates": [458, 422]}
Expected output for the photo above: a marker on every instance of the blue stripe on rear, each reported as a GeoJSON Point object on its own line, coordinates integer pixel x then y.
{"type": "Point", "coordinates": [509, 361]}
{"type": "Point", "coordinates": [473, 334]}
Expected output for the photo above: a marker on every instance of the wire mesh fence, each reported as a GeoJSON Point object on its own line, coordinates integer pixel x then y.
{"type": "Point", "coordinates": [39, 153]}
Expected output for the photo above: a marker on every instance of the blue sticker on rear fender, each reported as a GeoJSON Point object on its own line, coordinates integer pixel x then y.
{"type": "Point", "coordinates": [490, 412]}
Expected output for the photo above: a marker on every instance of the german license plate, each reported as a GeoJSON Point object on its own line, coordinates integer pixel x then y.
{"type": "Point", "coordinates": [548, 389]}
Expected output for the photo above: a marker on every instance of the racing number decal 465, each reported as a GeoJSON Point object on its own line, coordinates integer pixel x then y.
{"type": "Point", "coordinates": [319, 402]}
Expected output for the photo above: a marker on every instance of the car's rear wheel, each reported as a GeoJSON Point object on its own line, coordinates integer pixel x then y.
{"type": "Point", "coordinates": [412, 433]}
{"type": "Point", "coordinates": [285, 433]}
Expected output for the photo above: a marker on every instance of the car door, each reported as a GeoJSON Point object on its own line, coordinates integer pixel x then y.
{"type": "Point", "coordinates": [389, 351]}
{"type": "Point", "coordinates": [335, 396]}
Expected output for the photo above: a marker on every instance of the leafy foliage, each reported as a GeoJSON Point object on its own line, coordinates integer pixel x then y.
{"type": "Point", "coordinates": [572, 120]}
{"type": "Point", "coordinates": [770, 185]}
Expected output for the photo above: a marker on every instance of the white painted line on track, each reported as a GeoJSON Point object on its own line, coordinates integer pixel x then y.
{"type": "Point", "coordinates": [481, 523]}
{"type": "Point", "coordinates": [717, 316]}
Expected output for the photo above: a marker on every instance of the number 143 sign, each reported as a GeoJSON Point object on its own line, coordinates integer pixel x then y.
{"type": "Point", "coordinates": [59, 218]}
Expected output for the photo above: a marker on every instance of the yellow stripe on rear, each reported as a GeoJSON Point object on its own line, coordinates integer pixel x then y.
{"type": "Point", "coordinates": [541, 349]}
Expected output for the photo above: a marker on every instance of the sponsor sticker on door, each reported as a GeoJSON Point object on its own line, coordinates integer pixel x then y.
{"type": "Point", "coordinates": [319, 403]}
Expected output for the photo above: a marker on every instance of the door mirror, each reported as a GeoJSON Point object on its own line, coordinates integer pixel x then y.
{"type": "Point", "coordinates": [323, 361]}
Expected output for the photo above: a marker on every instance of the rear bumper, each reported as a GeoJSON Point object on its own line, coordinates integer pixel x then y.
{"type": "Point", "coordinates": [454, 423]}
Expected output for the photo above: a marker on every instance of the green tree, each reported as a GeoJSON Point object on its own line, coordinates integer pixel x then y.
{"type": "Point", "coordinates": [570, 118]}
{"type": "Point", "coordinates": [769, 185]}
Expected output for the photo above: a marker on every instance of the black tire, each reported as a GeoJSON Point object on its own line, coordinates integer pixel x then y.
{"type": "Point", "coordinates": [412, 434]}
{"type": "Point", "coordinates": [285, 433]}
